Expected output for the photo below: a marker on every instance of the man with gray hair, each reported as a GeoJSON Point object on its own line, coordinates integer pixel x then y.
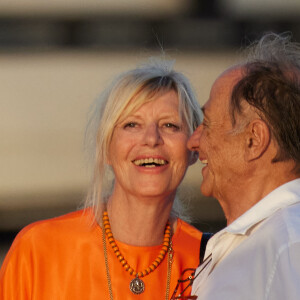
{"type": "Point", "coordinates": [249, 143]}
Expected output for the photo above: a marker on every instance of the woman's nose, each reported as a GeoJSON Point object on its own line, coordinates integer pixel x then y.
{"type": "Point", "coordinates": [194, 140]}
{"type": "Point", "coordinates": [152, 136]}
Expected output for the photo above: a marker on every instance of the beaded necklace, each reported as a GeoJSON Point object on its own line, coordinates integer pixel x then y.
{"type": "Point", "coordinates": [137, 285]}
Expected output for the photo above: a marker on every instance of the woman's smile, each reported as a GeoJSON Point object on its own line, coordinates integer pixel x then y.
{"type": "Point", "coordinates": [150, 162]}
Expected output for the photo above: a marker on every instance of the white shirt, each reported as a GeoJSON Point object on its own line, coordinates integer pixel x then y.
{"type": "Point", "coordinates": [258, 255]}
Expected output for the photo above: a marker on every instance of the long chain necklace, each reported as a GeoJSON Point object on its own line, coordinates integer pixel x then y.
{"type": "Point", "coordinates": [137, 286]}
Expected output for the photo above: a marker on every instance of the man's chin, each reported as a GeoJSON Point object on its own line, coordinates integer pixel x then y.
{"type": "Point", "coordinates": [205, 189]}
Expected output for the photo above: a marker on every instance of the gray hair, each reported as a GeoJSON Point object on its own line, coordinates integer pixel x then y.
{"type": "Point", "coordinates": [271, 85]}
{"type": "Point", "coordinates": [126, 93]}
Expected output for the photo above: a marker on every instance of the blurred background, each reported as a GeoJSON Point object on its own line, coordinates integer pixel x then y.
{"type": "Point", "coordinates": [57, 56]}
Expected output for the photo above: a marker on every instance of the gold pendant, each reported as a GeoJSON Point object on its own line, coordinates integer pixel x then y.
{"type": "Point", "coordinates": [137, 285]}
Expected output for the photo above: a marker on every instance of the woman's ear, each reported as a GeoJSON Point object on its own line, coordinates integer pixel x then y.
{"type": "Point", "coordinates": [193, 157]}
{"type": "Point", "coordinates": [258, 138]}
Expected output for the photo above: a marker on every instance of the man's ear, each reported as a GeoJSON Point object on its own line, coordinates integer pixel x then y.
{"type": "Point", "coordinates": [258, 138]}
{"type": "Point", "coordinates": [193, 157]}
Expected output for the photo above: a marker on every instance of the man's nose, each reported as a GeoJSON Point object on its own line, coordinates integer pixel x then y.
{"type": "Point", "coordinates": [152, 136]}
{"type": "Point", "coordinates": [194, 140]}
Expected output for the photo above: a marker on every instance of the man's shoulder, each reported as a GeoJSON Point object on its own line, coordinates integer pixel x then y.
{"type": "Point", "coordinates": [286, 217]}
{"type": "Point", "coordinates": [279, 213]}
{"type": "Point", "coordinates": [278, 231]}
{"type": "Point", "coordinates": [289, 219]}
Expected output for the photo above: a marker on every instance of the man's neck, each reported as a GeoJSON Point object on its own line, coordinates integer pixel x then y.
{"type": "Point", "coordinates": [253, 189]}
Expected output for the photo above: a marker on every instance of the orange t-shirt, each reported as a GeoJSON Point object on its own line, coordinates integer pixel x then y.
{"type": "Point", "coordinates": [62, 258]}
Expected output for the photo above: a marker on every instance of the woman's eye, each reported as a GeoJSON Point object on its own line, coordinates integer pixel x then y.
{"type": "Point", "coordinates": [172, 126]}
{"type": "Point", "coordinates": [130, 125]}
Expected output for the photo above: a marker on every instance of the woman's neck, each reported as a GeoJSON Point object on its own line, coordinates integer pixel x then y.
{"type": "Point", "coordinates": [138, 222]}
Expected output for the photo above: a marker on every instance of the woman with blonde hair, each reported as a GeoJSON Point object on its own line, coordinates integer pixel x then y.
{"type": "Point", "coordinates": [128, 242]}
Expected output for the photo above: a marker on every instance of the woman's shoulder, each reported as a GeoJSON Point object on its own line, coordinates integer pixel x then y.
{"type": "Point", "coordinates": [186, 243]}
{"type": "Point", "coordinates": [47, 241]}
{"type": "Point", "coordinates": [187, 231]}
{"type": "Point", "coordinates": [68, 224]}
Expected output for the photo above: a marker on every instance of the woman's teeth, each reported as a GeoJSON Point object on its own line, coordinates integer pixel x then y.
{"type": "Point", "coordinates": [150, 162]}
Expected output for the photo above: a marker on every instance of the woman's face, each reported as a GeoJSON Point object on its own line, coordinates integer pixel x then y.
{"type": "Point", "coordinates": [148, 151]}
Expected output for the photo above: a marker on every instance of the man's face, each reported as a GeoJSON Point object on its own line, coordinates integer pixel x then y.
{"type": "Point", "coordinates": [221, 150]}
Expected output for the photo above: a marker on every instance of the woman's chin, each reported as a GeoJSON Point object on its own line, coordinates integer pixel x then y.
{"type": "Point", "coordinates": [153, 190]}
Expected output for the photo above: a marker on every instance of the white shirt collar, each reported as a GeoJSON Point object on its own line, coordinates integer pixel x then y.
{"type": "Point", "coordinates": [283, 196]}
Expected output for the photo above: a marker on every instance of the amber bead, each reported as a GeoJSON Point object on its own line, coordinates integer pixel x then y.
{"type": "Point", "coordinates": [120, 257]}
{"type": "Point", "coordinates": [152, 267]}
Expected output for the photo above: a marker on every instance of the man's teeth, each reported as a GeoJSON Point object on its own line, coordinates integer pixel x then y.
{"type": "Point", "coordinates": [150, 162]}
{"type": "Point", "coordinates": [204, 161]}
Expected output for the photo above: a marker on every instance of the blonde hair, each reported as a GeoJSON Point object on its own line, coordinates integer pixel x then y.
{"type": "Point", "coordinates": [129, 91]}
